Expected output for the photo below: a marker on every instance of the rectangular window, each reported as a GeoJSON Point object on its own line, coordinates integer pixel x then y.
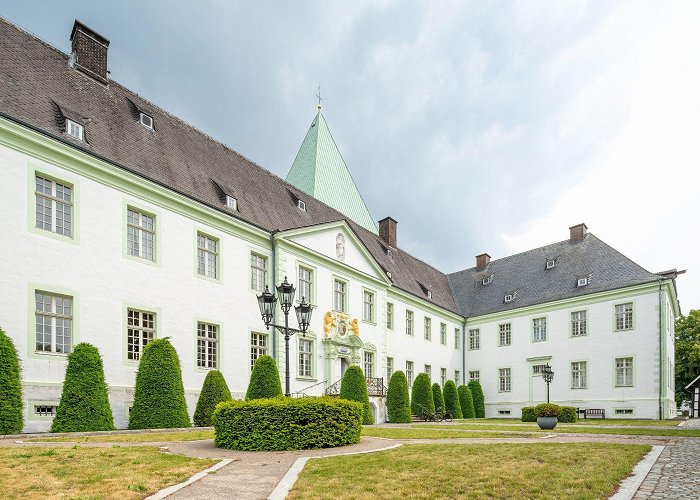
{"type": "Point", "coordinates": [54, 206]}
{"type": "Point", "coordinates": [474, 340]}
{"type": "Point", "coordinates": [457, 377]}
{"type": "Point", "coordinates": [389, 368]}
{"type": "Point", "coordinates": [75, 130]}
{"type": "Point", "coordinates": [578, 324]}
{"type": "Point", "coordinates": [367, 306]}
{"type": "Point", "coordinates": [409, 322]}
{"type": "Point", "coordinates": [473, 375]}
{"type": "Point", "coordinates": [141, 329]}
{"type": "Point", "coordinates": [539, 329]}
{"type": "Point", "coordinates": [306, 283]}
{"type": "Point", "coordinates": [207, 345]}
{"type": "Point", "coordinates": [504, 380]}
{"type": "Point", "coordinates": [369, 364]}
{"type": "Point", "coordinates": [624, 411]}
{"type": "Point", "coordinates": [409, 372]}
{"type": "Point", "coordinates": [258, 272]}
{"type": "Point", "coordinates": [457, 338]}
{"type": "Point", "coordinates": [504, 336]}
{"type": "Point", "coordinates": [429, 371]}
{"type": "Point", "coordinates": [443, 376]}
{"type": "Point", "coordinates": [623, 316]}
{"type": "Point", "coordinates": [443, 333]}
{"type": "Point", "coordinates": [258, 346]}
{"type": "Point", "coordinates": [207, 256]}
{"type": "Point", "coordinates": [623, 370]}
{"type": "Point", "coordinates": [579, 375]}
{"type": "Point", "coordinates": [45, 410]}
{"type": "Point", "coordinates": [504, 412]}
{"type": "Point", "coordinates": [537, 370]}
{"type": "Point", "coordinates": [339, 302]}
{"type": "Point", "coordinates": [427, 327]}
{"type": "Point", "coordinates": [389, 316]}
{"type": "Point", "coordinates": [140, 234]}
{"type": "Point", "coordinates": [54, 323]}
{"type": "Point", "coordinates": [306, 347]}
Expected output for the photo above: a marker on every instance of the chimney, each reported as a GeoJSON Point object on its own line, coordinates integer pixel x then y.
{"type": "Point", "coordinates": [482, 261]}
{"type": "Point", "coordinates": [387, 231]}
{"type": "Point", "coordinates": [89, 52]}
{"type": "Point", "coordinates": [577, 232]}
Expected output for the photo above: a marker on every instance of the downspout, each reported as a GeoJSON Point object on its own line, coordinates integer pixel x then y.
{"type": "Point", "coordinates": [661, 362]}
{"type": "Point", "coordinates": [274, 280]}
{"type": "Point", "coordinates": [464, 359]}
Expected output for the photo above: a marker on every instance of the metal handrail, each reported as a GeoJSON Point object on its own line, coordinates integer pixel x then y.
{"type": "Point", "coordinates": [303, 391]}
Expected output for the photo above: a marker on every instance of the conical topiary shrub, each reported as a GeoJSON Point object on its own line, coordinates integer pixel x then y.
{"type": "Point", "coordinates": [11, 406]}
{"type": "Point", "coordinates": [465, 401]}
{"type": "Point", "coordinates": [353, 387]}
{"type": "Point", "coordinates": [437, 397]}
{"type": "Point", "coordinates": [422, 395]}
{"type": "Point", "coordinates": [264, 380]}
{"type": "Point", "coordinates": [159, 398]}
{"type": "Point", "coordinates": [214, 391]}
{"type": "Point", "coordinates": [398, 406]}
{"type": "Point", "coordinates": [478, 397]}
{"type": "Point", "coordinates": [84, 403]}
{"type": "Point", "coordinates": [452, 406]}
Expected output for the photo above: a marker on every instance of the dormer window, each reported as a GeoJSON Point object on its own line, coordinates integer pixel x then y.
{"type": "Point", "coordinates": [486, 280]}
{"type": "Point", "coordinates": [301, 205]}
{"type": "Point", "coordinates": [551, 264]}
{"type": "Point", "coordinates": [430, 294]}
{"type": "Point", "coordinates": [388, 274]}
{"type": "Point", "coordinates": [389, 252]}
{"type": "Point", "coordinates": [582, 282]}
{"type": "Point", "coordinates": [231, 202]}
{"type": "Point", "coordinates": [146, 120]}
{"type": "Point", "coordinates": [75, 130]}
{"type": "Point", "coordinates": [508, 298]}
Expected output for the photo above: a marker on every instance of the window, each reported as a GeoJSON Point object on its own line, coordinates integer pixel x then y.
{"type": "Point", "coordinates": [389, 368]}
{"type": "Point", "coordinates": [339, 302]}
{"type": "Point", "coordinates": [54, 323]}
{"type": "Point", "coordinates": [443, 376]}
{"type": "Point", "coordinates": [207, 256]}
{"type": "Point", "coordinates": [430, 294]}
{"type": "Point", "coordinates": [508, 297]}
{"type": "Point", "coordinates": [389, 316]}
{"type": "Point", "coordinates": [427, 329]}
{"type": "Point", "coordinates": [578, 324]}
{"type": "Point", "coordinates": [301, 205]}
{"type": "Point", "coordinates": [258, 346]}
{"type": "Point", "coordinates": [623, 370]}
{"type": "Point", "coordinates": [487, 280]}
{"type": "Point", "coordinates": [45, 410]}
{"type": "Point", "coordinates": [579, 377]}
{"type": "Point", "coordinates": [623, 316]}
{"type": "Point", "coordinates": [582, 282]}
{"type": "Point", "coordinates": [457, 338]}
{"type": "Point", "coordinates": [258, 272]}
{"type": "Point", "coordinates": [550, 264]}
{"type": "Point", "coordinates": [409, 372]}
{"type": "Point", "coordinates": [474, 340]}
{"type": "Point", "coordinates": [140, 234]}
{"type": "Point", "coordinates": [54, 206]}
{"type": "Point", "coordinates": [429, 371]}
{"type": "Point", "coordinates": [141, 329]}
{"type": "Point", "coordinates": [231, 202]}
{"type": "Point", "coordinates": [539, 329]}
{"type": "Point", "coordinates": [504, 336]}
{"type": "Point", "coordinates": [306, 347]}
{"type": "Point", "coordinates": [207, 345]}
{"type": "Point", "coordinates": [306, 283]}
{"type": "Point", "coordinates": [473, 375]}
{"type": "Point", "coordinates": [537, 370]}
{"type": "Point", "coordinates": [504, 380]}
{"type": "Point", "coordinates": [624, 411]}
{"type": "Point", "coordinates": [369, 364]}
{"type": "Point", "coordinates": [75, 130]}
{"type": "Point", "coordinates": [367, 306]}
{"type": "Point", "coordinates": [457, 377]}
{"type": "Point", "coordinates": [146, 120]}
{"type": "Point", "coordinates": [504, 412]}
{"type": "Point", "coordinates": [443, 333]}
{"type": "Point", "coordinates": [409, 322]}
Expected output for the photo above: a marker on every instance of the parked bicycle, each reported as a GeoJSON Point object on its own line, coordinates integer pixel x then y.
{"type": "Point", "coordinates": [435, 416]}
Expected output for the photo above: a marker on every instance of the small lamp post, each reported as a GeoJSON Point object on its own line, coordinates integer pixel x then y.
{"type": "Point", "coordinates": [548, 375]}
{"type": "Point", "coordinates": [267, 301]}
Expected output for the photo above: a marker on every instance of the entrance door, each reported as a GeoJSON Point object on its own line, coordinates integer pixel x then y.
{"type": "Point", "coordinates": [538, 388]}
{"type": "Point", "coordinates": [343, 366]}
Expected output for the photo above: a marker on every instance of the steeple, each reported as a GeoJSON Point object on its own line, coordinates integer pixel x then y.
{"type": "Point", "coordinates": [320, 171]}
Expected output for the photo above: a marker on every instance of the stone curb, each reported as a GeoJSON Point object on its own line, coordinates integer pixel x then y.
{"type": "Point", "coordinates": [630, 485]}
{"type": "Point", "coordinates": [199, 475]}
{"type": "Point", "coordinates": [40, 435]}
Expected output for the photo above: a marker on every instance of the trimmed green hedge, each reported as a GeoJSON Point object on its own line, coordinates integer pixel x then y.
{"type": "Point", "coordinates": [466, 402]}
{"type": "Point", "coordinates": [287, 424]}
{"type": "Point", "coordinates": [547, 410]}
{"type": "Point", "coordinates": [159, 397]}
{"type": "Point", "coordinates": [528, 414]}
{"type": "Point", "coordinates": [84, 403]}
{"type": "Point", "coordinates": [422, 395]}
{"type": "Point", "coordinates": [214, 391]}
{"type": "Point", "coordinates": [398, 405]}
{"type": "Point", "coordinates": [353, 387]}
{"type": "Point", "coordinates": [11, 406]}
{"type": "Point", "coordinates": [478, 397]}
{"type": "Point", "coordinates": [438, 399]}
{"type": "Point", "coordinates": [568, 414]}
{"type": "Point", "coordinates": [264, 380]}
{"type": "Point", "coordinates": [452, 400]}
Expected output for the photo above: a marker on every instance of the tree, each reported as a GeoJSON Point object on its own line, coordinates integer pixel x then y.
{"type": "Point", "coordinates": [398, 405]}
{"type": "Point", "coordinates": [438, 400]}
{"type": "Point", "coordinates": [159, 397]}
{"type": "Point", "coordinates": [478, 397]}
{"type": "Point", "coordinates": [264, 380]}
{"type": "Point", "coordinates": [353, 387]}
{"type": "Point", "coordinates": [687, 352]}
{"type": "Point", "coordinates": [84, 402]}
{"type": "Point", "coordinates": [422, 395]}
{"type": "Point", "coordinates": [452, 400]}
{"type": "Point", "coordinates": [466, 402]}
{"type": "Point", "coordinates": [11, 406]}
{"type": "Point", "coordinates": [214, 391]}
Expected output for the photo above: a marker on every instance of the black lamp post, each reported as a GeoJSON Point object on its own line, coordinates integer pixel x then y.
{"type": "Point", "coordinates": [267, 301]}
{"type": "Point", "coordinates": [548, 375]}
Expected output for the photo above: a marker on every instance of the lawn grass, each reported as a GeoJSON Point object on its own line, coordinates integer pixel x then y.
{"type": "Point", "coordinates": [439, 433]}
{"type": "Point", "coordinates": [83, 472]}
{"type": "Point", "coordinates": [572, 429]}
{"type": "Point", "coordinates": [581, 471]}
{"type": "Point", "coordinates": [609, 421]}
{"type": "Point", "coordinates": [136, 437]}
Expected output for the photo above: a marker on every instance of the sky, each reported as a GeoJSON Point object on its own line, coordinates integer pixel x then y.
{"type": "Point", "coordinates": [479, 126]}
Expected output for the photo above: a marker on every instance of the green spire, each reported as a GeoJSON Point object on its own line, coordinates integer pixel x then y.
{"type": "Point", "coordinates": [319, 170]}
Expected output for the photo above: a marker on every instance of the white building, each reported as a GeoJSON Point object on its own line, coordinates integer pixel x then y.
{"type": "Point", "coordinates": [123, 224]}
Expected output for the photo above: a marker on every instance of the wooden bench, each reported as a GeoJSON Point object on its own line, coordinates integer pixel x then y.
{"type": "Point", "coordinates": [592, 412]}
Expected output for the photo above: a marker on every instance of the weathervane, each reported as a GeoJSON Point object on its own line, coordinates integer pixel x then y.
{"type": "Point", "coordinates": [319, 96]}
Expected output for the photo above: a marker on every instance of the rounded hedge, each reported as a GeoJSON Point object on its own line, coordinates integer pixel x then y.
{"type": "Point", "coordinates": [398, 405]}
{"type": "Point", "coordinates": [11, 406]}
{"type": "Point", "coordinates": [264, 380]}
{"type": "Point", "coordinates": [84, 402]}
{"type": "Point", "coordinates": [438, 399]}
{"type": "Point", "coordinates": [214, 391]}
{"type": "Point", "coordinates": [353, 387]}
{"type": "Point", "coordinates": [547, 410]}
{"type": "Point", "coordinates": [568, 414]}
{"type": "Point", "coordinates": [465, 401]}
{"type": "Point", "coordinates": [528, 414]}
{"type": "Point", "coordinates": [287, 424]}
{"type": "Point", "coordinates": [422, 395]}
{"type": "Point", "coordinates": [159, 397]}
{"type": "Point", "coordinates": [478, 397]}
{"type": "Point", "coordinates": [451, 397]}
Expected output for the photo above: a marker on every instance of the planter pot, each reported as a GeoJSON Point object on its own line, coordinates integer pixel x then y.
{"type": "Point", "coordinates": [547, 423]}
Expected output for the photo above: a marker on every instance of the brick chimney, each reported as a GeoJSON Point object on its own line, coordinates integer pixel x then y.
{"type": "Point", "coordinates": [387, 231]}
{"type": "Point", "coordinates": [482, 261]}
{"type": "Point", "coordinates": [577, 232]}
{"type": "Point", "coordinates": [89, 52]}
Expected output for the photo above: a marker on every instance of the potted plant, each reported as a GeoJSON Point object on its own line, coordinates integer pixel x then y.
{"type": "Point", "coordinates": [547, 415]}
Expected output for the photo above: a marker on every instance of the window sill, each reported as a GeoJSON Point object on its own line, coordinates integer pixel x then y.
{"type": "Point", "coordinates": [624, 386]}
{"type": "Point", "coordinates": [369, 322]}
{"type": "Point", "coordinates": [208, 278]}
{"type": "Point", "coordinates": [52, 354]}
{"type": "Point", "coordinates": [307, 379]}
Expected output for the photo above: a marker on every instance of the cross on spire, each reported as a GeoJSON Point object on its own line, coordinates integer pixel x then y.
{"type": "Point", "coordinates": [319, 97]}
